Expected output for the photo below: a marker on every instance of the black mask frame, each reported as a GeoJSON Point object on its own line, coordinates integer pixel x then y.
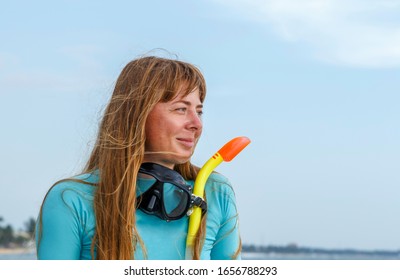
{"type": "Point", "coordinates": [152, 201]}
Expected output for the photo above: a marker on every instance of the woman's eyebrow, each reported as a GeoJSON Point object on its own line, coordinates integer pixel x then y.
{"type": "Point", "coordinates": [188, 103]}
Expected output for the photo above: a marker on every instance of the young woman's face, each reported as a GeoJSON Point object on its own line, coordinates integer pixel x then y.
{"type": "Point", "coordinates": [173, 129]}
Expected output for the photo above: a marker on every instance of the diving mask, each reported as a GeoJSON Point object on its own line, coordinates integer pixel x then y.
{"type": "Point", "coordinates": [170, 197]}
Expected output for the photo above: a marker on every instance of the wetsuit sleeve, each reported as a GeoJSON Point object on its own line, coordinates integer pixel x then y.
{"type": "Point", "coordinates": [60, 234]}
{"type": "Point", "coordinates": [227, 240]}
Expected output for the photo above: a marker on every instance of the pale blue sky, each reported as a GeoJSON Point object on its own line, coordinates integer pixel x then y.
{"type": "Point", "coordinates": [314, 84]}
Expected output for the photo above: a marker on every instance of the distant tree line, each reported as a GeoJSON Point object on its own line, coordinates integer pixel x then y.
{"type": "Point", "coordinates": [294, 249]}
{"type": "Point", "coordinates": [9, 238]}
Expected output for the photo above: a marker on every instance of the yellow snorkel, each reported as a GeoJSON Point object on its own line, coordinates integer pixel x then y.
{"type": "Point", "coordinates": [226, 153]}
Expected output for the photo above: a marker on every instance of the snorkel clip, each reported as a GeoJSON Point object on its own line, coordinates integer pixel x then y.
{"type": "Point", "coordinates": [199, 202]}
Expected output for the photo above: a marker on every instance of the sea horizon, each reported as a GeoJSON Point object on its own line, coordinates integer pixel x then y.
{"type": "Point", "coordinates": [30, 254]}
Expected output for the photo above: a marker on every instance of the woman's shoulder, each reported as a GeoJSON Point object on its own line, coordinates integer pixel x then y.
{"type": "Point", "coordinates": [220, 183]}
{"type": "Point", "coordinates": [80, 187]}
{"type": "Point", "coordinates": [218, 178]}
{"type": "Point", "coordinates": [220, 198]}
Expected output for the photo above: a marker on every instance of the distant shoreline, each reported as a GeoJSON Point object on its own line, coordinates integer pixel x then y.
{"type": "Point", "coordinates": [15, 251]}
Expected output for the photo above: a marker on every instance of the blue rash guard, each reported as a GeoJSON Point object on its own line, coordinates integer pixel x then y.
{"type": "Point", "coordinates": [68, 223]}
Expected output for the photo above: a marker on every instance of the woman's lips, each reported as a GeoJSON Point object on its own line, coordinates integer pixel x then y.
{"type": "Point", "coordinates": [188, 142]}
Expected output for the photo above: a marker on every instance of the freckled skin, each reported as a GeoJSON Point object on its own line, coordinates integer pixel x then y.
{"type": "Point", "coordinates": [173, 129]}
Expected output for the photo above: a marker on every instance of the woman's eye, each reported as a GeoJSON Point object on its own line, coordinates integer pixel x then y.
{"type": "Point", "coordinates": [181, 110]}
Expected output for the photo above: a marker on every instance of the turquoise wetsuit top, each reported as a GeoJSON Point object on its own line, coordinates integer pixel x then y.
{"type": "Point", "coordinates": [68, 223]}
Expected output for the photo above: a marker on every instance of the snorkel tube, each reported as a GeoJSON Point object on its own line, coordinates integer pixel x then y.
{"type": "Point", "coordinates": [226, 153]}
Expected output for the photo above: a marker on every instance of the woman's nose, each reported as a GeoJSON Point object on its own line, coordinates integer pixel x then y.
{"type": "Point", "coordinates": [195, 120]}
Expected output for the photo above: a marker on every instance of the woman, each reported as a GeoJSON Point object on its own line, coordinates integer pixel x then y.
{"type": "Point", "coordinates": [118, 207]}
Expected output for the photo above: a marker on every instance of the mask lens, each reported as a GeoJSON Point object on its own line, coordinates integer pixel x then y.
{"type": "Point", "coordinates": [169, 198]}
{"type": "Point", "coordinates": [175, 200]}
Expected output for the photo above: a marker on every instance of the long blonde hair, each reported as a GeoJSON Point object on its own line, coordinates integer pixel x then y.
{"type": "Point", "coordinates": [120, 147]}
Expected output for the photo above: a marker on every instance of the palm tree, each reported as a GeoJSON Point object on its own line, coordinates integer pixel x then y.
{"type": "Point", "coordinates": [30, 226]}
{"type": "Point", "coordinates": [6, 236]}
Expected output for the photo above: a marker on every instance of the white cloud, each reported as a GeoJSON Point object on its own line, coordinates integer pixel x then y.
{"type": "Point", "coordinates": [361, 33]}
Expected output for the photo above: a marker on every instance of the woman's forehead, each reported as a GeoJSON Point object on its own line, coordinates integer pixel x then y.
{"type": "Point", "coordinates": [193, 96]}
